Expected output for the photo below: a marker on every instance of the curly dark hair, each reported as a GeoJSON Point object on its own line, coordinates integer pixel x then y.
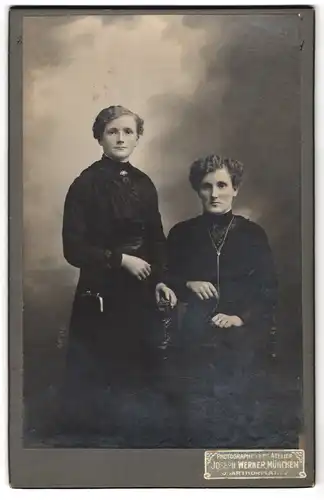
{"type": "Point", "coordinates": [108, 114]}
{"type": "Point", "coordinates": [211, 163]}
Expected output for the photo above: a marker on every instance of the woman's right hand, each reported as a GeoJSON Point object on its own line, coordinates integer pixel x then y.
{"type": "Point", "coordinates": [136, 266]}
{"type": "Point", "coordinates": [202, 289]}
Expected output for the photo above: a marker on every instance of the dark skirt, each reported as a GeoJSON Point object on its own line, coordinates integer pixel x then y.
{"type": "Point", "coordinates": [111, 394]}
{"type": "Point", "coordinates": [224, 392]}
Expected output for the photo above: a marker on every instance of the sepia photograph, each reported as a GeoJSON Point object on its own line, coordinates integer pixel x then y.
{"type": "Point", "coordinates": [165, 189]}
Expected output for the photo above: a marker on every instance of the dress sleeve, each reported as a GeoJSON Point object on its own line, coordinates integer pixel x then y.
{"type": "Point", "coordinates": [76, 247]}
{"type": "Point", "coordinates": [261, 301]}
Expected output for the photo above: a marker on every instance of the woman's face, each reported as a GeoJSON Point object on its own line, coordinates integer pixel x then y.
{"type": "Point", "coordinates": [120, 138]}
{"type": "Point", "coordinates": [217, 192]}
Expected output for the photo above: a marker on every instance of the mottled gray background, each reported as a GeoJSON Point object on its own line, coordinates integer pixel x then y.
{"type": "Point", "coordinates": [228, 84]}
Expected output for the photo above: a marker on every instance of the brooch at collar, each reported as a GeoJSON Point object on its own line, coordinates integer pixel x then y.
{"type": "Point", "coordinates": [123, 173]}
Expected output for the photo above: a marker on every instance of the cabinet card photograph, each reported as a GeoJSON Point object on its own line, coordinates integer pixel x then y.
{"type": "Point", "coordinates": [161, 261]}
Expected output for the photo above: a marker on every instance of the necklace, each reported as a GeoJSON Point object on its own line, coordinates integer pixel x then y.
{"type": "Point", "coordinates": [219, 248]}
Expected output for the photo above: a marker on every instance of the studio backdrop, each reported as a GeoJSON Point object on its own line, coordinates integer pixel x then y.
{"type": "Point", "coordinates": [223, 84]}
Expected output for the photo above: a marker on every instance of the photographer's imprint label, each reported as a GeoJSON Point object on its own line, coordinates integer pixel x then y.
{"type": "Point", "coordinates": [254, 464]}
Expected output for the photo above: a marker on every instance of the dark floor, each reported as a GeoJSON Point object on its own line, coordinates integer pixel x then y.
{"type": "Point", "coordinates": [41, 396]}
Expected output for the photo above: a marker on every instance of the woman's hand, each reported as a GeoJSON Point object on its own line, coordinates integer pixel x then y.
{"type": "Point", "coordinates": [203, 289]}
{"type": "Point", "coordinates": [225, 321]}
{"type": "Point", "coordinates": [163, 291]}
{"type": "Point", "coordinates": [136, 266]}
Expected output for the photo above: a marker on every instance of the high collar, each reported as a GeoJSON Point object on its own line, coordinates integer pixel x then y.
{"type": "Point", "coordinates": [217, 219]}
{"type": "Point", "coordinates": [115, 165]}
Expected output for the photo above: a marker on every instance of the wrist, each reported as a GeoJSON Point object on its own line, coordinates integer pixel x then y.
{"type": "Point", "coordinates": [113, 259]}
{"type": "Point", "coordinates": [124, 258]}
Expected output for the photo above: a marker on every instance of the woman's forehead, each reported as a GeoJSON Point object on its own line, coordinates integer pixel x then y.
{"type": "Point", "coordinates": [122, 121]}
{"type": "Point", "coordinates": [219, 175]}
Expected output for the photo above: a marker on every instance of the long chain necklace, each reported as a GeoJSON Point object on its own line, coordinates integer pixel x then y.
{"type": "Point", "coordinates": [218, 249]}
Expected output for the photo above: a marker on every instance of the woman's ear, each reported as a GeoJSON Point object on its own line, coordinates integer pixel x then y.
{"type": "Point", "coordinates": [137, 140]}
{"type": "Point", "coordinates": [236, 190]}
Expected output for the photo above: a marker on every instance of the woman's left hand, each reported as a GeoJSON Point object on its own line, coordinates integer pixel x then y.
{"type": "Point", "coordinates": [225, 321]}
{"type": "Point", "coordinates": [164, 292]}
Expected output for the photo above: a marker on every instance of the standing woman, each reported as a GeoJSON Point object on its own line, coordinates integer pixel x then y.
{"type": "Point", "coordinates": [221, 267]}
{"type": "Point", "coordinates": [112, 232]}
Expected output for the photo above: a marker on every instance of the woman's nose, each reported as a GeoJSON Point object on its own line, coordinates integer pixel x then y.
{"type": "Point", "coordinates": [214, 192]}
{"type": "Point", "coordinates": [120, 137]}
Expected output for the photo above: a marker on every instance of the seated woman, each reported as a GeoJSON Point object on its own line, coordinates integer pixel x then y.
{"type": "Point", "coordinates": [221, 266]}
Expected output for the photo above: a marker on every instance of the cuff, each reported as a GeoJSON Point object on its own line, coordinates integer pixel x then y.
{"type": "Point", "coordinates": [112, 259]}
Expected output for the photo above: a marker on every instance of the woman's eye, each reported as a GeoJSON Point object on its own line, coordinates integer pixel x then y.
{"type": "Point", "coordinates": [128, 131]}
{"type": "Point", "coordinates": [222, 184]}
{"type": "Point", "coordinates": [111, 131]}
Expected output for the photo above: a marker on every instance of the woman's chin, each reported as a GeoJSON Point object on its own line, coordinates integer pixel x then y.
{"type": "Point", "coordinates": [120, 156]}
{"type": "Point", "coordinates": [216, 209]}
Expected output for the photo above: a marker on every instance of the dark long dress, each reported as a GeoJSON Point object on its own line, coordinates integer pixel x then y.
{"type": "Point", "coordinates": [219, 377]}
{"type": "Point", "coordinates": [113, 356]}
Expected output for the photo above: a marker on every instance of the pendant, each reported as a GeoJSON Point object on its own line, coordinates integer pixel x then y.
{"type": "Point", "coordinates": [123, 173]}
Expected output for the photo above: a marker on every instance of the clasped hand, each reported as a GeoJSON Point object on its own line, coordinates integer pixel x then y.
{"type": "Point", "coordinates": [136, 266]}
{"type": "Point", "coordinates": [202, 289]}
{"type": "Point", "coordinates": [226, 321]}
